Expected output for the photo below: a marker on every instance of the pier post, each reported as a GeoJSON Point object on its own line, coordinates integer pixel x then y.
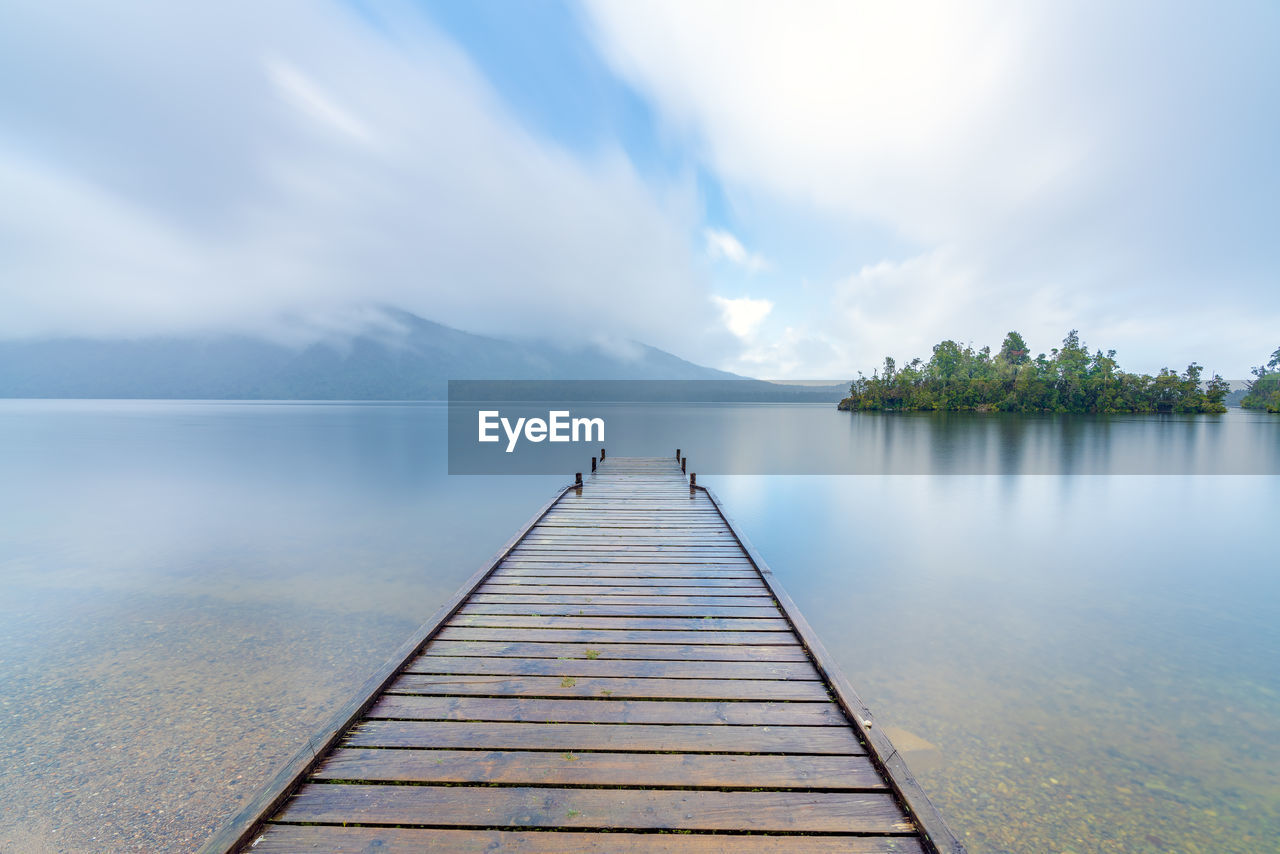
{"type": "Point", "coordinates": [602, 455]}
{"type": "Point", "coordinates": [693, 480]}
{"type": "Point", "coordinates": [683, 462]}
{"type": "Point", "coordinates": [577, 479]}
{"type": "Point", "coordinates": [593, 464]}
{"type": "Point", "coordinates": [677, 453]}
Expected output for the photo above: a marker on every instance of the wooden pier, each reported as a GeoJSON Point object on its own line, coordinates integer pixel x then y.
{"type": "Point", "coordinates": [624, 676]}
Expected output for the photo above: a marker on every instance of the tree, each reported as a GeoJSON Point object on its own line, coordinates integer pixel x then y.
{"type": "Point", "coordinates": [1069, 380]}
{"type": "Point", "coordinates": [1014, 350]}
{"type": "Point", "coordinates": [1216, 391]}
{"type": "Point", "coordinates": [1264, 391]}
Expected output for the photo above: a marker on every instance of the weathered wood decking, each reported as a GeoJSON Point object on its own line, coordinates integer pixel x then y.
{"type": "Point", "coordinates": [626, 676]}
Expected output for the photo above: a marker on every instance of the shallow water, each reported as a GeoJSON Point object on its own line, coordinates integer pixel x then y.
{"type": "Point", "coordinates": [1073, 663]}
{"type": "Point", "coordinates": [1089, 661]}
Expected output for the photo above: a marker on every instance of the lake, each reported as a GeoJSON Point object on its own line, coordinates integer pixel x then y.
{"type": "Point", "coordinates": [1075, 653]}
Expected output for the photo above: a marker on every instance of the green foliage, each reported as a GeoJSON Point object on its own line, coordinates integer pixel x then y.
{"type": "Point", "coordinates": [959, 378]}
{"type": "Point", "coordinates": [1264, 392]}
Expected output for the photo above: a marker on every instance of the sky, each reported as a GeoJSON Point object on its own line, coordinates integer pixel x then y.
{"type": "Point", "coordinates": [785, 190]}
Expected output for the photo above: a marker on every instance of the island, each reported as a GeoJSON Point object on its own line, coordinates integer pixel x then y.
{"type": "Point", "coordinates": [1068, 380]}
{"type": "Point", "coordinates": [1264, 391]}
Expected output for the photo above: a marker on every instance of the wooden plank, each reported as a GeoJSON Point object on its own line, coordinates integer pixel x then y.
{"type": "Point", "coordinates": [615, 599]}
{"type": "Point", "coordinates": [637, 544]}
{"type": "Point", "coordinates": [522, 710]}
{"type": "Point", "coordinates": [534, 557]}
{"type": "Point", "coordinates": [563, 518]}
{"type": "Point", "coordinates": [652, 554]}
{"type": "Point", "coordinates": [652, 504]}
{"type": "Point", "coordinates": [657, 493]}
{"type": "Point", "coordinates": [578, 536]}
{"type": "Point", "coordinates": [610, 545]}
{"type": "Point", "coordinates": [770, 620]}
{"type": "Point", "coordinates": [627, 551]}
{"type": "Point", "coordinates": [543, 539]}
{"type": "Point", "coordinates": [605, 550]}
{"type": "Point", "coordinates": [612, 575]}
{"type": "Point", "coordinates": [646, 738]}
{"type": "Point", "coordinates": [292, 838]}
{"type": "Point", "coordinates": [604, 523]}
{"type": "Point", "coordinates": [784, 811]}
{"type": "Point", "coordinates": [671, 541]}
{"type": "Point", "coordinates": [597, 530]}
{"type": "Point", "coordinates": [604, 636]}
{"type": "Point", "coordinates": [666, 542]}
{"type": "Point", "coordinates": [614, 524]}
{"type": "Point", "coordinates": [656, 541]}
{"type": "Point", "coordinates": [636, 567]}
{"type": "Point", "coordinates": [631, 544]}
{"type": "Point", "coordinates": [654, 651]}
{"type": "Point", "coordinates": [608, 506]}
{"type": "Point", "coordinates": [685, 506]}
{"type": "Point", "coordinates": [657, 498]}
{"type": "Point", "coordinates": [610, 527]}
{"type": "Point", "coordinates": [626, 511]}
{"type": "Point", "coordinates": [645, 526]}
{"type": "Point", "coordinates": [582, 667]}
{"type": "Point", "coordinates": [613, 610]}
{"type": "Point", "coordinates": [540, 768]}
{"type": "Point", "coordinates": [620, 548]}
{"type": "Point", "coordinates": [500, 587]}
{"type": "Point", "coordinates": [689, 585]}
{"type": "Point", "coordinates": [610, 687]}
{"type": "Point", "coordinates": [658, 510]}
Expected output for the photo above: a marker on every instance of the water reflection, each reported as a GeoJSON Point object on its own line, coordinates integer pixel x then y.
{"type": "Point", "coordinates": [1085, 663]}
{"type": "Point", "coordinates": [813, 439]}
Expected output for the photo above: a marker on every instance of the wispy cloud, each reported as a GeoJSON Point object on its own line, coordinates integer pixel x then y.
{"type": "Point", "coordinates": [303, 93]}
{"type": "Point", "coordinates": [979, 140]}
{"type": "Point", "coordinates": [228, 166]}
{"type": "Point", "coordinates": [916, 170]}
{"type": "Point", "coordinates": [723, 245]}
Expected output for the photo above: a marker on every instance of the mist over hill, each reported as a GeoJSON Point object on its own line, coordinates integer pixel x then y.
{"type": "Point", "coordinates": [404, 358]}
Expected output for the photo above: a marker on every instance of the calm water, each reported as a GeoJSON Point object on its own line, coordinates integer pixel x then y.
{"type": "Point", "coordinates": [1072, 663]}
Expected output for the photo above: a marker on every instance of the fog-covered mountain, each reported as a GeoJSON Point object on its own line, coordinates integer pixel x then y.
{"type": "Point", "coordinates": [403, 358]}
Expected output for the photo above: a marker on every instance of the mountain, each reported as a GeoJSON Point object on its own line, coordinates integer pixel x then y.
{"type": "Point", "coordinates": [402, 358]}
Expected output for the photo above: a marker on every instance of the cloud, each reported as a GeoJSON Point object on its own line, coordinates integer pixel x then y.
{"type": "Point", "coordinates": [796, 354]}
{"type": "Point", "coordinates": [896, 112]}
{"type": "Point", "coordinates": [1112, 153]}
{"type": "Point", "coordinates": [303, 93]}
{"type": "Point", "coordinates": [955, 170]}
{"type": "Point", "coordinates": [252, 167]}
{"type": "Point", "coordinates": [743, 316]}
{"type": "Point", "coordinates": [722, 244]}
